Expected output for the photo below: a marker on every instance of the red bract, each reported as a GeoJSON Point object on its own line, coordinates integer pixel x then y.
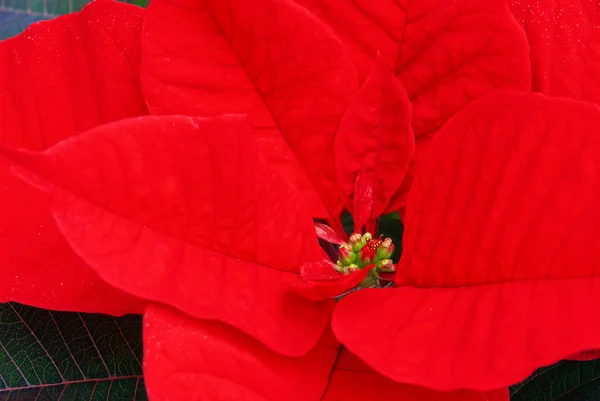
{"type": "Point", "coordinates": [563, 37]}
{"type": "Point", "coordinates": [187, 359]}
{"type": "Point", "coordinates": [269, 59]}
{"type": "Point", "coordinates": [500, 249]}
{"type": "Point", "coordinates": [276, 62]}
{"type": "Point", "coordinates": [58, 79]}
{"type": "Point", "coordinates": [445, 53]}
{"type": "Point", "coordinates": [190, 213]}
{"type": "Point", "coordinates": [320, 281]}
{"type": "Point", "coordinates": [374, 146]}
{"type": "Point", "coordinates": [158, 208]}
{"type": "Point", "coordinates": [185, 212]}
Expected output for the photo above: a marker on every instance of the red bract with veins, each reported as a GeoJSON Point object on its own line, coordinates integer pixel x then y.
{"type": "Point", "coordinates": [502, 218]}
{"type": "Point", "coordinates": [445, 54]}
{"type": "Point", "coordinates": [564, 57]}
{"type": "Point", "coordinates": [498, 251]}
{"type": "Point", "coordinates": [282, 65]}
{"type": "Point", "coordinates": [216, 235]}
{"type": "Point", "coordinates": [58, 79]}
{"type": "Point", "coordinates": [374, 146]}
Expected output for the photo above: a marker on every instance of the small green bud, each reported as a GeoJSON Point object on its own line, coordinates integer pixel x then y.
{"type": "Point", "coordinates": [356, 242]}
{"type": "Point", "coordinates": [346, 255]}
{"type": "Point", "coordinates": [386, 266]}
{"type": "Point", "coordinates": [385, 249]}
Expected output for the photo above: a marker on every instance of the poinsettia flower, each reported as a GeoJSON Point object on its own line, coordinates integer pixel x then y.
{"type": "Point", "coordinates": [57, 79]}
{"type": "Point", "coordinates": [141, 235]}
{"type": "Point", "coordinates": [289, 72]}
{"type": "Point", "coordinates": [499, 246]}
{"type": "Point", "coordinates": [186, 212]}
{"type": "Point", "coordinates": [374, 147]}
{"type": "Point", "coordinates": [500, 249]}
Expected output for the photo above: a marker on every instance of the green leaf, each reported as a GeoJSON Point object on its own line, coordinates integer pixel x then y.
{"type": "Point", "coordinates": [141, 3]}
{"type": "Point", "coordinates": [391, 216]}
{"type": "Point", "coordinates": [46, 355]}
{"type": "Point", "coordinates": [394, 229]}
{"type": "Point", "coordinates": [565, 381]}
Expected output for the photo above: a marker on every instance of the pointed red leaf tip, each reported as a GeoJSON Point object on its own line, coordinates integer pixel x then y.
{"type": "Point", "coordinates": [328, 234]}
{"type": "Point", "coordinates": [445, 53]}
{"type": "Point", "coordinates": [185, 212]}
{"type": "Point", "coordinates": [269, 59]}
{"type": "Point", "coordinates": [501, 248]}
{"type": "Point", "coordinates": [190, 359]}
{"type": "Point", "coordinates": [59, 78]}
{"type": "Point", "coordinates": [319, 281]}
{"type": "Point", "coordinates": [562, 36]}
{"type": "Point", "coordinates": [374, 146]}
{"type": "Point", "coordinates": [363, 199]}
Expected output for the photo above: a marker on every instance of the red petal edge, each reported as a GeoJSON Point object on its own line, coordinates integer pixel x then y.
{"type": "Point", "coordinates": [328, 234]}
{"type": "Point", "coordinates": [57, 79]}
{"type": "Point", "coordinates": [589, 355]}
{"type": "Point", "coordinates": [319, 281]}
{"type": "Point", "coordinates": [160, 209]}
{"type": "Point", "coordinates": [501, 248]}
{"type": "Point", "coordinates": [188, 359]}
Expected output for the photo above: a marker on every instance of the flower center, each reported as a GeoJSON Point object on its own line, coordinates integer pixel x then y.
{"type": "Point", "coordinates": [364, 251]}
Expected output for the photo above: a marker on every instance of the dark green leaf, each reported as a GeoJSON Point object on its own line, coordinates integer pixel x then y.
{"type": "Point", "coordinates": [391, 216]}
{"type": "Point", "coordinates": [47, 355]}
{"type": "Point", "coordinates": [392, 228]}
{"type": "Point", "coordinates": [565, 381]}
